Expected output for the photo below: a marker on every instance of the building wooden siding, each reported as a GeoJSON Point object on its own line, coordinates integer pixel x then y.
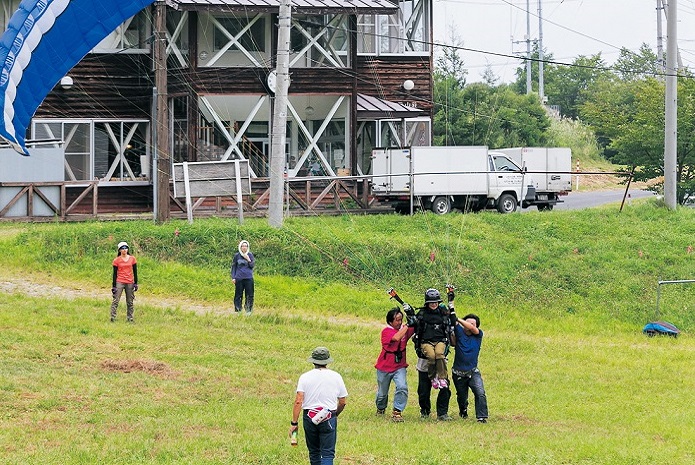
{"type": "Point", "coordinates": [230, 81]}
{"type": "Point", "coordinates": [105, 86]}
{"type": "Point", "coordinates": [379, 77]}
{"type": "Point", "coordinates": [383, 77]}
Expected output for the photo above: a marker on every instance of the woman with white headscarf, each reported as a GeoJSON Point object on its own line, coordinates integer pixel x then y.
{"type": "Point", "coordinates": [242, 277]}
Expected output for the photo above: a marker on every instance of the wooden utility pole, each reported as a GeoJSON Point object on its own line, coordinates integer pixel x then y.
{"type": "Point", "coordinates": [279, 132]}
{"type": "Point", "coordinates": [162, 160]}
{"type": "Point", "coordinates": [671, 101]}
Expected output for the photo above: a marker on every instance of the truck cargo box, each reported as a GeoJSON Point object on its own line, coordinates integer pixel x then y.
{"type": "Point", "coordinates": [436, 171]}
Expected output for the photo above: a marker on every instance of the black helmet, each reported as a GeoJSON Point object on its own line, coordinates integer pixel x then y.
{"type": "Point", "coordinates": [432, 295]}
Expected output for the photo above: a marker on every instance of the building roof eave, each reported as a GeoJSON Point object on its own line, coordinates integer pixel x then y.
{"type": "Point", "coordinates": [369, 107]}
{"type": "Point", "coordinates": [298, 6]}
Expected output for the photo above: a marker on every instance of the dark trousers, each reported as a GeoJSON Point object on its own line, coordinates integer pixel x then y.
{"type": "Point", "coordinates": [424, 389]}
{"type": "Point", "coordinates": [474, 381]}
{"type": "Point", "coordinates": [320, 439]}
{"type": "Point", "coordinates": [241, 287]}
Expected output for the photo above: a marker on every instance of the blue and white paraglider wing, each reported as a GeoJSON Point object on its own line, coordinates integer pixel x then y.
{"type": "Point", "coordinates": [43, 41]}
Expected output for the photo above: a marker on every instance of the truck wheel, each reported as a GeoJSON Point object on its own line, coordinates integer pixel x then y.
{"type": "Point", "coordinates": [544, 207]}
{"type": "Point", "coordinates": [441, 205]}
{"type": "Point", "coordinates": [506, 203]}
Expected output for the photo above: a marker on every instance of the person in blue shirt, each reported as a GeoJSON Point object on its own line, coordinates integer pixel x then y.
{"type": "Point", "coordinates": [468, 339]}
{"type": "Point", "coordinates": [242, 277]}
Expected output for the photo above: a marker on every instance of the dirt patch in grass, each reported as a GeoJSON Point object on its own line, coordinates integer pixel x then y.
{"type": "Point", "coordinates": [151, 367]}
{"type": "Point", "coordinates": [28, 285]}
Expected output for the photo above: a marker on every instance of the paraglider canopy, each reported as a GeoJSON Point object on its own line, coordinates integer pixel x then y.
{"type": "Point", "coordinates": [662, 328]}
{"type": "Point", "coordinates": [43, 41]}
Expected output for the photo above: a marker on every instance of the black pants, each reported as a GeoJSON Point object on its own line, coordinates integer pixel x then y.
{"type": "Point", "coordinates": [424, 389]}
{"type": "Point", "coordinates": [241, 287]}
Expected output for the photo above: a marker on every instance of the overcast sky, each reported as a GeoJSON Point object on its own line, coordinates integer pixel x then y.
{"type": "Point", "coordinates": [570, 28]}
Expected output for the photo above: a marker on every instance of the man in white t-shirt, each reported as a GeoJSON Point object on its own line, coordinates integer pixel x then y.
{"type": "Point", "coordinates": [319, 390]}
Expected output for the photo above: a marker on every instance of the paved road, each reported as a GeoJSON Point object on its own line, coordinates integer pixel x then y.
{"type": "Point", "coordinates": [581, 200]}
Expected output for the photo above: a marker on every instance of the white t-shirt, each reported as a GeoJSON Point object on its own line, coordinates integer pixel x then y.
{"type": "Point", "coordinates": [321, 388]}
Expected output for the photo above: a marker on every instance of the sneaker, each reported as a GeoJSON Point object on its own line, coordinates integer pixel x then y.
{"type": "Point", "coordinates": [237, 310]}
{"type": "Point", "coordinates": [380, 411]}
{"type": "Point", "coordinates": [482, 420]}
{"type": "Point", "coordinates": [435, 383]}
{"type": "Point", "coordinates": [424, 415]}
{"type": "Point", "coordinates": [444, 418]}
{"type": "Point", "coordinates": [443, 384]}
{"type": "Point", "coordinates": [113, 319]}
{"type": "Point", "coordinates": [464, 414]}
{"type": "Point", "coordinates": [397, 417]}
{"type": "Point", "coordinates": [130, 320]}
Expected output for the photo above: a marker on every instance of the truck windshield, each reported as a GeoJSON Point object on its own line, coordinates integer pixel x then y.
{"type": "Point", "coordinates": [505, 164]}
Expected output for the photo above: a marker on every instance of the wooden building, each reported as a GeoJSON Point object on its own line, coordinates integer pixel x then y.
{"type": "Point", "coordinates": [361, 77]}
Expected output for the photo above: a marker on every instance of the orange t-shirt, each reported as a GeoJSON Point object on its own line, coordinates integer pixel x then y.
{"type": "Point", "coordinates": [124, 274]}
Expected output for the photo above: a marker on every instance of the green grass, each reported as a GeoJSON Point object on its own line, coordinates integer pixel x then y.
{"type": "Point", "coordinates": [562, 297]}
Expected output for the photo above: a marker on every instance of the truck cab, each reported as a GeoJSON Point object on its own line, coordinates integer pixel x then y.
{"type": "Point", "coordinates": [505, 183]}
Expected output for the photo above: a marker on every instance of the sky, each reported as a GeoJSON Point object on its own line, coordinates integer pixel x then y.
{"type": "Point", "coordinates": [570, 28]}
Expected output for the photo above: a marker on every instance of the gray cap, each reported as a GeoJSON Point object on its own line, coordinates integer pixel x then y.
{"type": "Point", "coordinates": [320, 356]}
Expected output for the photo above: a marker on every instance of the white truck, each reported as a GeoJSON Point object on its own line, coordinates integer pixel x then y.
{"type": "Point", "coordinates": [469, 178]}
{"type": "Point", "coordinates": [546, 171]}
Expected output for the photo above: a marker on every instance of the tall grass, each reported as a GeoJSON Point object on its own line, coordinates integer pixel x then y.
{"type": "Point", "coordinates": [562, 297]}
{"type": "Point", "coordinates": [598, 262]}
{"type": "Point", "coordinates": [581, 139]}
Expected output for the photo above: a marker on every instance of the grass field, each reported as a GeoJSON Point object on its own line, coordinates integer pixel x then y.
{"type": "Point", "coordinates": [562, 297]}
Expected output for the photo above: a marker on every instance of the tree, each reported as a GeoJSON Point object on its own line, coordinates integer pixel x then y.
{"type": "Point", "coordinates": [565, 85]}
{"type": "Point", "coordinates": [489, 76]}
{"type": "Point", "coordinates": [449, 63]}
{"type": "Point", "coordinates": [631, 66]}
{"type": "Point", "coordinates": [481, 114]}
{"type": "Point", "coordinates": [628, 116]}
{"type": "Point", "coordinates": [548, 68]}
{"type": "Point", "coordinates": [568, 86]}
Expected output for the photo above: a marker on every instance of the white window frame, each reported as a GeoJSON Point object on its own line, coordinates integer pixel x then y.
{"type": "Point", "coordinates": [377, 30]}
{"type": "Point", "coordinates": [120, 140]}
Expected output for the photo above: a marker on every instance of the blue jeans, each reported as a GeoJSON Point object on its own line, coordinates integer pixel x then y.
{"type": "Point", "coordinates": [400, 396]}
{"type": "Point", "coordinates": [473, 380]}
{"type": "Point", "coordinates": [321, 439]}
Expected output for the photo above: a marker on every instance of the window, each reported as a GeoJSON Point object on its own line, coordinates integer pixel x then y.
{"type": "Point", "coordinates": [76, 137]}
{"type": "Point", "coordinates": [111, 151]}
{"type": "Point", "coordinates": [505, 164]}
{"type": "Point", "coordinates": [131, 36]}
{"type": "Point", "coordinates": [319, 41]}
{"type": "Point", "coordinates": [253, 39]}
{"type": "Point", "coordinates": [404, 32]}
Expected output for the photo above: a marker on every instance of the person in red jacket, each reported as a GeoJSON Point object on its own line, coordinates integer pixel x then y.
{"type": "Point", "coordinates": [391, 364]}
{"type": "Point", "coordinates": [125, 277]}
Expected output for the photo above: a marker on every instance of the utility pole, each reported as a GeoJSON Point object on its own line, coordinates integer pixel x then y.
{"type": "Point", "coordinates": [541, 84]}
{"type": "Point", "coordinates": [671, 126]}
{"type": "Point", "coordinates": [162, 161]}
{"type": "Point", "coordinates": [529, 85]}
{"type": "Point", "coordinates": [660, 38]}
{"type": "Point", "coordinates": [279, 131]}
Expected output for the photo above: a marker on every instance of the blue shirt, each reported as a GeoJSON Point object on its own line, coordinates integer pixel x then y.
{"type": "Point", "coordinates": [241, 268]}
{"type": "Point", "coordinates": [467, 349]}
